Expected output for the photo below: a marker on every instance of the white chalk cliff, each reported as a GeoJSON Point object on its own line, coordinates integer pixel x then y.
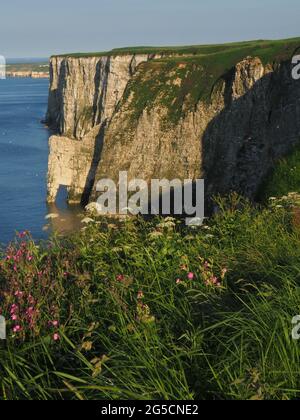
{"type": "Point", "coordinates": [149, 116]}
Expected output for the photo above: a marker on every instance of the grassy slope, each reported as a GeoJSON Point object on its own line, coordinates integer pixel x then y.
{"type": "Point", "coordinates": [156, 333]}
{"type": "Point", "coordinates": [190, 50]}
{"type": "Point", "coordinates": [199, 67]}
{"type": "Point", "coordinates": [199, 74]}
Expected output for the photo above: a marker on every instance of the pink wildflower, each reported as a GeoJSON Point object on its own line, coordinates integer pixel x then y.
{"type": "Point", "coordinates": [17, 329]}
{"type": "Point", "coordinates": [30, 311]}
{"type": "Point", "coordinates": [56, 337]}
{"type": "Point", "coordinates": [191, 276]}
{"type": "Point", "coordinates": [14, 308]}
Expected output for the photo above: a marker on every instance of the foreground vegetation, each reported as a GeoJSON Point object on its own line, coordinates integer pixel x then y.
{"type": "Point", "coordinates": [153, 310]}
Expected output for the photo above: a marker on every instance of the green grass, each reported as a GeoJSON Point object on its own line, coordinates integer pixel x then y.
{"type": "Point", "coordinates": [284, 178]}
{"type": "Point", "coordinates": [186, 75]}
{"type": "Point", "coordinates": [133, 323]}
{"type": "Point", "coordinates": [189, 50]}
{"type": "Point", "coordinates": [178, 83]}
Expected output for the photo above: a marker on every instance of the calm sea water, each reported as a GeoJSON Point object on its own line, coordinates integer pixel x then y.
{"type": "Point", "coordinates": [23, 163]}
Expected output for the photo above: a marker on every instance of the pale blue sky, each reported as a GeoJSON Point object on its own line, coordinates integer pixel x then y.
{"type": "Point", "coordinates": [33, 28]}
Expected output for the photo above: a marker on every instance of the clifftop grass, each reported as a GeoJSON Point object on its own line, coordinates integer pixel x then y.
{"type": "Point", "coordinates": [188, 50]}
{"type": "Point", "coordinates": [178, 83]}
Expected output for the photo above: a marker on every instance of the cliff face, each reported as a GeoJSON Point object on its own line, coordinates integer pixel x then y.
{"type": "Point", "coordinates": [159, 118]}
{"type": "Point", "coordinates": [259, 125]}
{"type": "Point", "coordinates": [252, 119]}
{"type": "Point", "coordinates": [83, 95]}
{"type": "Point", "coordinates": [84, 92]}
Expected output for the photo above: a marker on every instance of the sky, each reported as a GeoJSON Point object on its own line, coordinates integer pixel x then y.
{"type": "Point", "coordinates": [39, 28]}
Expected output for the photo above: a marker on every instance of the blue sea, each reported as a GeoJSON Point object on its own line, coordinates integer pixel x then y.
{"type": "Point", "coordinates": [23, 163]}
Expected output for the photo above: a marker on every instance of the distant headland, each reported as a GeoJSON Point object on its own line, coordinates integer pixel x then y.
{"type": "Point", "coordinates": [34, 70]}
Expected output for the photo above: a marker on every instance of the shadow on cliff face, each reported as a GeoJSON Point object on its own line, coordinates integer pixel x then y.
{"type": "Point", "coordinates": [86, 195]}
{"type": "Point", "coordinates": [242, 143]}
{"type": "Point", "coordinates": [100, 90]}
{"type": "Point", "coordinates": [53, 117]}
{"type": "Point", "coordinates": [90, 181]}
